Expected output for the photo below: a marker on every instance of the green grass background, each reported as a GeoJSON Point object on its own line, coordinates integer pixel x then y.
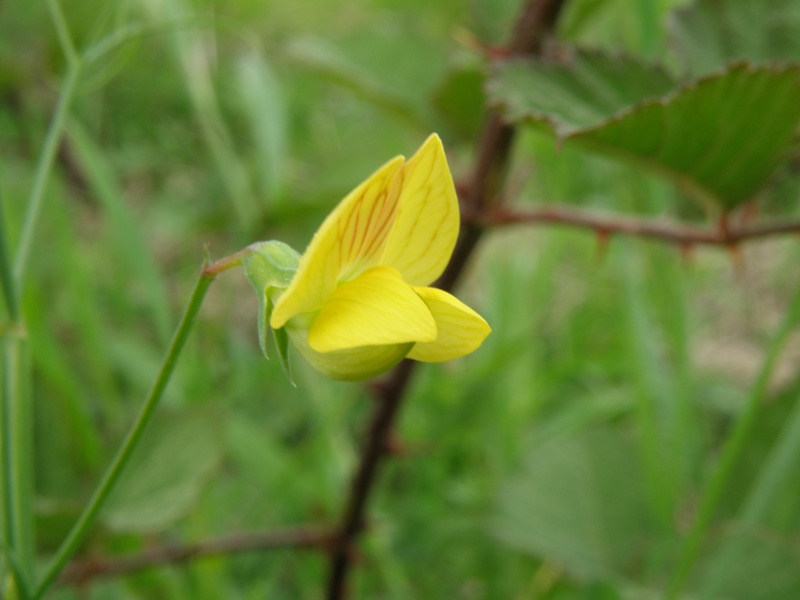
{"type": "Point", "coordinates": [564, 459]}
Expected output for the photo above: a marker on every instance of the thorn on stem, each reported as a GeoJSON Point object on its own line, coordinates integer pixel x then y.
{"type": "Point", "coordinates": [738, 261]}
{"type": "Point", "coordinates": [687, 254]}
{"type": "Point", "coordinates": [497, 52]}
{"type": "Point", "coordinates": [396, 447]}
{"type": "Point", "coordinates": [603, 239]}
{"type": "Point", "coordinates": [724, 226]}
{"type": "Point", "coordinates": [471, 41]}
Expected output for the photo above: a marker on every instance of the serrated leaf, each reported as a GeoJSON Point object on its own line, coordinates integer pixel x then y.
{"type": "Point", "coordinates": [166, 475]}
{"type": "Point", "coordinates": [720, 137]}
{"type": "Point", "coordinates": [708, 34]}
{"type": "Point", "coordinates": [578, 503]}
{"type": "Point", "coordinates": [567, 97]}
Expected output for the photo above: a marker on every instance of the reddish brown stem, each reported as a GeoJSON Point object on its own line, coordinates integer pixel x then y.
{"type": "Point", "coordinates": [536, 21]}
{"type": "Point", "coordinates": [82, 570]}
{"type": "Point", "coordinates": [373, 451]}
{"type": "Point", "coordinates": [670, 232]}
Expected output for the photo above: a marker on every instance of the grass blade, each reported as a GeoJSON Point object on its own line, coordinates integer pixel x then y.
{"type": "Point", "coordinates": [735, 444]}
{"type": "Point", "coordinates": [127, 239]}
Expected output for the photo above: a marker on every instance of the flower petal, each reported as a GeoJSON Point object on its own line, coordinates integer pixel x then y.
{"type": "Point", "coordinates": [353, 364]}
{"type": "Point", "coordinates": [427, 222]}
{"type": "Point", "coordinates": [461, 329]}
{"type": "Point", "coordinates": [376, 308]}
{"type": "Point", "coordinates": [350, 240]}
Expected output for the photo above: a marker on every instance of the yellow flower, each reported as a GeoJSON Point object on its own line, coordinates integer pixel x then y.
{"type": "Point", "coordinates": [359, 302]}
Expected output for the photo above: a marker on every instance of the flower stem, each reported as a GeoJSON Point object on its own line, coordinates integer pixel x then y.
{"type": "Point", "coordinates": [17, 462]}
{"type": "Point", "coordinates": [7, 283]}
{"type": "Point", "coordinates": [212, 269]}
{"type": "Point", "coordinates": [15, 431]}
{"type": "Point", "coordinates": [731, 453]}
{"type": "Point", "coordinates": [91, 510]}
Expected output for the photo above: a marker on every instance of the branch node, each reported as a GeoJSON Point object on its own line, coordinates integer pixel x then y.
{"type": "Point", "coordinates": [396, 447]}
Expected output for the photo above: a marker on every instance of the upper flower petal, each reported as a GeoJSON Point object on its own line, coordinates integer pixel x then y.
{"type": "Point", "coordinates": [376, 308]}
{"type": "Point", "coordinates": [427, 222]}
{"type": "Point", "coordinates": [461, 329]}
{"type": "Point", "coordinates": [351, 239]}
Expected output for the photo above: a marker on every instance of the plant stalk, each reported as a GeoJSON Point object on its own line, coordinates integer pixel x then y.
{"type": "Point", "coordinates": [95, 504]}
{"type": "Point", "coordinates": [16, 461]}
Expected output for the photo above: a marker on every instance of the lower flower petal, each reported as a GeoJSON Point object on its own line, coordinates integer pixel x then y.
{"type": "Point", "coordinates": [461, 329]}
{"type": "Point", "coordinates": [376, 308]}
{"type": "Point", "coordinates": [353, 364]}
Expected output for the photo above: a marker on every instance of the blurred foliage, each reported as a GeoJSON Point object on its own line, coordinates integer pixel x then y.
{"type": "Point", "coordinates": [563, 460]}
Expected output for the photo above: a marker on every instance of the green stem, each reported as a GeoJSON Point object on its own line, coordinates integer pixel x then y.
{"type": "Point", "coordinates": [46, 158]}
{"type": "Point", "coordinates": [6, 272]}
{"type": "Point", "coordinates": [91, 510]}
{"type": "Point", "coordinates": [62, 31]}
{"type": "Point", "coordinates": [10, 296]}
{"type": "Point", "coordinates": [731, 453]}
{"type": "Point", "coordinates": [17, 462]}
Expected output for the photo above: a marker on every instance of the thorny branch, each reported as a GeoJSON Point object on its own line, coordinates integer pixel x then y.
{"type": "Point", "coordinates": [680, 234]}
{"type": "Point", "coordinates": [535, 23]}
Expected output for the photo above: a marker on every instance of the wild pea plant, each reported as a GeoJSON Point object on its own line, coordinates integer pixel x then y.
{"type": "Point", "coordinates": [638, 488]}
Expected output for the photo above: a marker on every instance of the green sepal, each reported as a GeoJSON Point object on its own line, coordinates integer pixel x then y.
{"type": "Point", "coordinates": [270, 267]}
{"type": "Point", "coordinates": [281, 339]}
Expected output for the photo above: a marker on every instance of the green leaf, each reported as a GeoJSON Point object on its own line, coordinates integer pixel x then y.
{"type": "Point", "coordinates": [720, 137]}
{"type": "Point", "coordinates": [565, 98]}
{"type": "Point", "coordinates": [579, 503]}
{"type": "Point", "coordinates": [166, 474]}
{"type": "Point", "coordinates": [709, 34]}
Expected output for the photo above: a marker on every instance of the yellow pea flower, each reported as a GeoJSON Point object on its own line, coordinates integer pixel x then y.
{"type": "Point", "coordinates": [358, 302]}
